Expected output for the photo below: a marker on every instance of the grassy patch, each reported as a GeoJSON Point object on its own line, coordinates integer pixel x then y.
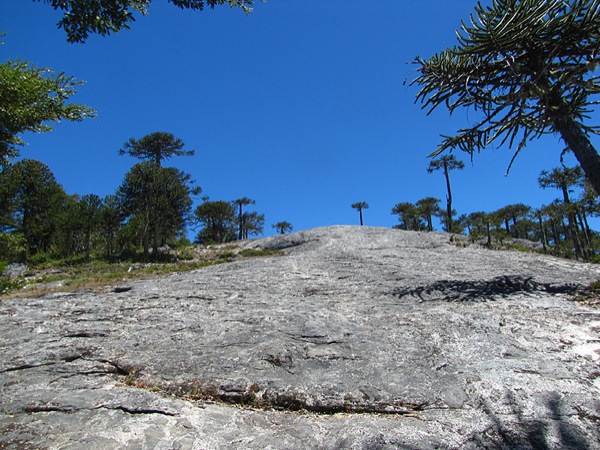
{"type": "Point", "coordinates": [251, 252]}
{"type": "Point", "coordinates": [594, 286]}
{"type": "Point", "coordinates": [95, 275]}
{"type": "Point", "coordinates": [80, 274]}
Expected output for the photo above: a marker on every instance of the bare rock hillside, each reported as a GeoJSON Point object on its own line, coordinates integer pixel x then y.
{"type": "Point", "coordinates": [353, 337]}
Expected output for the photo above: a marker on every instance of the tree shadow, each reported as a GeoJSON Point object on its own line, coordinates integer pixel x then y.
{"type": "Point", "coordinates": [482, 290]}
{"type": "Point", "coordinates": [553, 431]}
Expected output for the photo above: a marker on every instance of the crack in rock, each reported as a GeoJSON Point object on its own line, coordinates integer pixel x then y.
{"type": "Point", "coordinates": [139, 410]}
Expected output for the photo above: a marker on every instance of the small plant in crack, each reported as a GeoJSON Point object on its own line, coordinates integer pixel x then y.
{"type": "Point", "coordinates": [200, 391]}
{"type": "Point", "coordinates": [131, 378]}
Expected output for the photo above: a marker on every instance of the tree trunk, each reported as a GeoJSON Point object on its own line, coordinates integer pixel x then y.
{"type": "Point", "coordinates": [361, 220]}
{"type": "Point", "coordinates": [514, 219]}
{"type": "Point", "coordinates": [542, 232]}
{"type": "Point", "coordinates": [448, 200]}
{"type": "Point", "coordinates": [572, 222]}
{"type": "Point", "coordinates": [580, 145]}
{"type": "Point", "coordinates": [555, 234]}
{"type": "Point", "coordinates": [241, 232]}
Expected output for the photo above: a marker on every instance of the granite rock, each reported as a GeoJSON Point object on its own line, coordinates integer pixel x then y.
{"type": "Point", "coordinates": [354, 337]}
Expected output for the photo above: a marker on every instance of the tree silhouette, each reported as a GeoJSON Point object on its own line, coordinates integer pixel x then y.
{"type": "Point", "coordinates": [359, 206]}
{"type": "Point", "coordinates": [33, 97]}
{"type": "Point", "coordinates": [253, 224]}
{"type": "Point", "coordinates": [283, 227]}
{"type": "Point", "coordinates": [240, 203]}
{"type": "Point", "coordinates": [82, 17]}
{"type": "Point", "coordinates": [155, 147]}
{"type": "Point", "coordinates": [34, 202]}
{"type": "Point", "coordinates": [446, 163]}
{"type": "Point", "coordinates": [427, 208]}
{"type": "Point", "coordinates": [563, 179]}
{"type": "Point", "coordinates": [218, 221]}
{"type": "Point", "coordinates": [409, 216]}
{"type": "Point", "coordinates": [528, 67]}
{"type": "Point", "coordinates": [515, 213]}
{"type": "Point", "coordinates": [158, 201]}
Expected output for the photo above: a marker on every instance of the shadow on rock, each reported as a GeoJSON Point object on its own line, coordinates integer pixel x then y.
{"type": "Point", "coordinates": [482, 290]}
{"type": "Point", "coordinates": [525, 432]}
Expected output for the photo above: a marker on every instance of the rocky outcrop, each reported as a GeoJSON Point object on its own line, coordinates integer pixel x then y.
{"type": "Point", "coordinates": [355, 337]}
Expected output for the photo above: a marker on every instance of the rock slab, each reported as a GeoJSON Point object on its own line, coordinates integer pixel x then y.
{"type": "Point", "coordinates": [355, 337]}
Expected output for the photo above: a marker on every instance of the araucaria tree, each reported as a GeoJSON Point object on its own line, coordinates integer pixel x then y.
{"type": "Point", "coordinates": [34, 200]}
{"type": "Point", "coordinates": [155, 147]}
{"type": "Point", "coordinates": [102, 17]}
{"type": "Point", "coordinates": [446, 163]}
{"type": "Point", "coordinates": [283, 227]}
{"type": "Point", "coordinates": [240, 203]}
{"type": "Point", "coordinates": [217, 219]}
{"type": "Point", "coordinates": [564, 178]}
{"type": "Point", "coordinates": [31, 98]}
{"type": "Point", "coordinates": [428, 207]}
{"type": "Point", "coordinates": [359, 206]}
{"type": "Point", "coordinates": [528, 67]}
{"type": "Point", "coordinates": [157, 200]}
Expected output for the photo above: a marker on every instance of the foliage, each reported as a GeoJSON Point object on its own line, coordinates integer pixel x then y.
{"type": "Point", "coordinates": [158, 200]}
{"type": "Point", "coordinates": [359, 206]}
{"type": "Point", "coordinates": [155, 147]}
{"type": "Point", "coordinates": [240, 203]}
{"type": "Point", "coordinates": [35, 202]}
{"type": "Point", "coordinates": [253, 224]}
{"type": "Point", "coordinates": [82, 17]}
{"type": "Point", "coordinates": [8, 284]}
{"type": "Point", "coordinates": [110, 217]}
{"type": "Point", "coordinates": [283, 227]}
{"type": "Point", "coordinates": [564, 178]}
{"type": "Point", "coordinates": [218, 222]}
{"type": "Point", "coordinates": [408, 216]}
{"type": "Point", "coordinates": [446, 163]}
{"type": "Point", "coordinates": [12, 246]}
{"type": "Point", "coordinates": [252, 252]}
{"type": "Point", "coordinates": [32, 97]}
{"type": "Point", "coordinates": [529, 68]}
{"type": "Point", "coordinates": [427, 208]}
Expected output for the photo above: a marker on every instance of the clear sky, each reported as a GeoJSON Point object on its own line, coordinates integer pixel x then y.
{"type": "Point", "coordinates": [300, 106]}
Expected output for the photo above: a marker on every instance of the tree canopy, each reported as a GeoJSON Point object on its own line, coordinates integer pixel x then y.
{"type": "Point", "coordinates": [359, 206]}
{"type": "Point", "coordinates": [84, 17]}
{"type": "Point", "coordinates": [446, 163]}
{"type": "Point", "coordinates": [33, 201]}
{"type": "Point", "coordinates": [283, 227]}
{"type": "Point", "coordinates": [155, 147]}
{"type": "Point", "coordinates": [158, 201]}
{"type": "Point", "coordinates": [529, 67]}
{"type": "Point", "coordinates": [240, 203]}
{"type": "Point", "coordinates": [218, 222]}
{"type": "Point", "coordinates": [31, 98]}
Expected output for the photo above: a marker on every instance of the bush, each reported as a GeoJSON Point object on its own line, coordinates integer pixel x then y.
{"type": "Point", "coordinates": [12, 247]}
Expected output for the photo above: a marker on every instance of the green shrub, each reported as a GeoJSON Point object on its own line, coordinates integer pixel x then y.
{"type": "Point", "coordinates": [12, 246]}
{"type": "Point", "coordinates": [251, 252]}
{"type": "Point", "coordinates": [595, 285]}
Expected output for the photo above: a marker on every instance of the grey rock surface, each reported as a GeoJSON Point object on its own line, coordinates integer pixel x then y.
{"type": "Point", "coordinates": [15, 270]}
{"type": "Point", "coordinates": [356, 337]}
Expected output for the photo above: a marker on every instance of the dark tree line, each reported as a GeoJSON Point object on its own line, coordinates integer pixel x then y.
{"type": "Point", "coordinates": [561, 227]}
{"type": "Point", "coordinates": [150, 209]}
{"type": "Point", "coordinates": [223, 221]}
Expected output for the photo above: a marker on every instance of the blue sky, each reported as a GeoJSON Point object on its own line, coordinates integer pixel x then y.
{"type": "Point", "coordinates": [301, 106]}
